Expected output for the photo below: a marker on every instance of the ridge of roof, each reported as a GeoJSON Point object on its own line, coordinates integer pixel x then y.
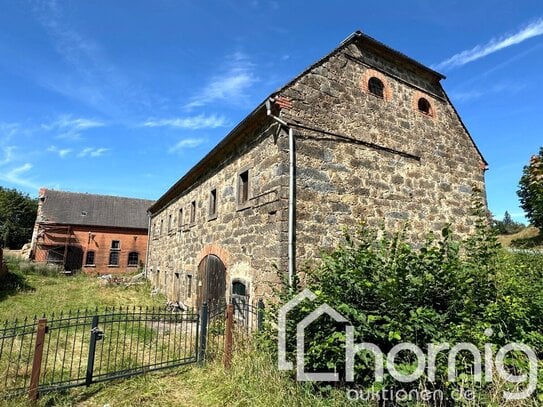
{"type": "Point", "coordinates": [94, 195]}
{"type": "Point", "coordinates": [176, 189]}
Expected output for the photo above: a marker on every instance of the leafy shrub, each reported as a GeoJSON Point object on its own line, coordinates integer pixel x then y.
{"type": "Point", "coordinates": [530, 189]}
{"type": "Point", "coordinates": [443, 291]}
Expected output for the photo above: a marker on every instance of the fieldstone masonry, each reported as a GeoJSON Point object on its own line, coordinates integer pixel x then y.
{"type": "Point", "coordinates": [359, 157]}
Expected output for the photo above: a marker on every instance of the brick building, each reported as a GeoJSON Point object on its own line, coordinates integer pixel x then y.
{"type": "Point", "coordinates": [95, 233]}
{"type": "Point", "coordinates": [365, 133]}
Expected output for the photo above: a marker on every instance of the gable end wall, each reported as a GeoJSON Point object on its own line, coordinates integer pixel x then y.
{"type": "Point", "coordinates": [341, 182]}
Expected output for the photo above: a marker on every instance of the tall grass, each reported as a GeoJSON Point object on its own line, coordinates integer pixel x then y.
{"type": "Point", "coordinates": [253, 380]}
{"type": "Point", "coordinates": [32, 289]}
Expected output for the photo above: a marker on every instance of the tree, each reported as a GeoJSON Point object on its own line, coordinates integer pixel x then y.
{"type": "Point", "coordinates": [507, 220]}
{"type": "Point", "coordinates": [530, 190]}
{"type": "Point", "coordinates": [17, 215]}
{"type": "Point", "coordinates": [507, 226]}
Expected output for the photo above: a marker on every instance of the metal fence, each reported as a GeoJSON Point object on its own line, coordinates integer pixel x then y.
{"type": "Point", "coordinates": [228, 326]}
{"type": "Point", "coordinates": [85, 347]}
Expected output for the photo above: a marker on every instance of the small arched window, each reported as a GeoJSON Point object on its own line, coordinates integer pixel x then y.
{"type": "Point", "coordinates": [424, 106]}
{"type": "Point", "coordinates": [376, 87]}
{"type": "Point", "coordinates": [133, 258]}
{"type": "Point", "coordinates": [239, 288]}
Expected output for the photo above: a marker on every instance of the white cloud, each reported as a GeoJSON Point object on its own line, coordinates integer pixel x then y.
{"type": "Point", "coordinates": [15, 176]}
{"type": "Point", "coordinates": [187, 143]}
{"type": "Point", "coordinates": [496, 44]}
{"type": "Point", "coordinates": [70, 128]}
{"type": "Point", "coordinates": [229, 85]}
{"type": "Point", "coordinates": [472, 94]}
{"type": "Point", "coordinates": [8, 130]}
{"type": "Point", "coordinates": [8, 155]}
{"type": "Point", "coordinates": [192, 123]}
{"type": "Point", "coordinates": [62, 152]}
{"type": "Point", "coordinates": [69, 123]}
{"type": "Point", "coordinates": [89, 77]}
{"type": "Point", "coordinates": [93, 152]}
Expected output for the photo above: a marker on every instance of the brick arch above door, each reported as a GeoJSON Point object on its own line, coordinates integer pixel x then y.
{"type": "Point", "coordinates": [216, 250]}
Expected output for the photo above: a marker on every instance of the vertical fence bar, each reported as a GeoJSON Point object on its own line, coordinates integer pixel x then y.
{"type": "Point", "coordinates": [196, 337]}
{"type": "Point", "coordinates": [228, 336]}
{"type": "Point", "coordinates": [92, 351]}
{"type": "Point", "coordinates": [260, 315]}
{"type": "Point", "coordinates": [203, 333]}
{"type": "Point", "coordinates": [36, 362]}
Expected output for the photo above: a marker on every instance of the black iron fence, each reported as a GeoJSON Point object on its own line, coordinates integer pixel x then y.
{"type": "Point", "coordinates": [223, 331]}
{"type": "Point", "coordinates": [81, 348]}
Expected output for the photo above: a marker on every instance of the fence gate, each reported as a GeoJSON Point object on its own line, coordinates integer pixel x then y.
{"type": "Point", "coordinates": [230, 322]}
{"type": "Point", "coordinates": [82, 348]}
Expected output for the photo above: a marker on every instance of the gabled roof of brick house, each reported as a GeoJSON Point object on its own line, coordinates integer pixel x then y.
{"type": "Point", "coordinates": [258, 115]}
{"type": "Point", "coordinates": [72, 208]}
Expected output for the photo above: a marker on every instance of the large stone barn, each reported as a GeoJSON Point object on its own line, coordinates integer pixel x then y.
{"type": "Point", "coordinates": [366, 133]}
{"type": "Point", "coordinates": [93, 233]}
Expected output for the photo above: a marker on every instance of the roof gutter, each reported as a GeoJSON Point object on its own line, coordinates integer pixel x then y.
{"type": "Point", "coordinates": [291, 194]}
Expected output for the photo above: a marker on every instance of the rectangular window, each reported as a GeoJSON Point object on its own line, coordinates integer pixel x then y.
{"type": "Point", "coordinates": [193, 212]}
{"type": "Point", "coordinates": [169, 222]}
{"type": "Point", "coordinates": [133, 259]}
{"type": "Point", "coordinates": [189, 285]}
{"type": "Point", "coordinates": [243, 187]}
{"type": "Point", "coordinates": [161, 227]}
{"type": "Point", "coordinates": [180, 219]}
{"type": "Point", "coordinates": [114, 258]}
{"type": "Point", "coordinates": [89, 259]}
{"type": "Point", "coordinates": [213, 203]}
{"type": "Point", "coordinates": [115, 245]}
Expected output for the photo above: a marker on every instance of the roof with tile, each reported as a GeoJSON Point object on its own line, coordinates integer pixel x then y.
{"type": "Point", "coordinates": [72, 208]}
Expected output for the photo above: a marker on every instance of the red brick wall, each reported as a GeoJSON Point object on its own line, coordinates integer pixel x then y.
{"type": "Point", "coordinates": [98, 239]}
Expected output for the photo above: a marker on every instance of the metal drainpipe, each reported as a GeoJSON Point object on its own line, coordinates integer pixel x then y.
{"type": "Point", "coordinates": [291, 197]}
{"type": "Point", "coordinates": [149, 237]}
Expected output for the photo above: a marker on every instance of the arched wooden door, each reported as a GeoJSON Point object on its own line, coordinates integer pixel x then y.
{"type": "Point", "coordinates": [211, 280]}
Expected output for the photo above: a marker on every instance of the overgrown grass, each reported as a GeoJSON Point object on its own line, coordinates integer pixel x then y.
{"type": "Point", "coordinates": [253, 380]}
{"type": "Point", "coordinates": [30, 290]}
{"type": "Point", "coordinates": [529, 237]}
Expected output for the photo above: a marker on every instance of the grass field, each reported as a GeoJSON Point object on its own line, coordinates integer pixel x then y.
{"type": "Point", "coordinates": [526, 238]}
{"type": "Point", "coordinates": [30, 291]}
{"type": "Point", "coordinates": [253, 379]}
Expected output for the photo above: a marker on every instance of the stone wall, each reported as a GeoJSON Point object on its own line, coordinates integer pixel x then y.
{"type": "Point", "coordinates": [249, 239]}
{"type": "Point", "coordinates": [365, 158]}
{"type": "Point", "coordinates": [341, 181]}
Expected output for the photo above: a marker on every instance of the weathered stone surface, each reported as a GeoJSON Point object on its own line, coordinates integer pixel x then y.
{"type": "Point", "coordinates": [420, 169]}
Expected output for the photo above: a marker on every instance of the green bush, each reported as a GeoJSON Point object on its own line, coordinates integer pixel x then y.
{"type": "Point", "coordinates": [444, 290]}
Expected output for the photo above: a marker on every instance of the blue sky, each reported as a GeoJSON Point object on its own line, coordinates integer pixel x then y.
{"type": "Point", "coordinates": [123, 97]}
